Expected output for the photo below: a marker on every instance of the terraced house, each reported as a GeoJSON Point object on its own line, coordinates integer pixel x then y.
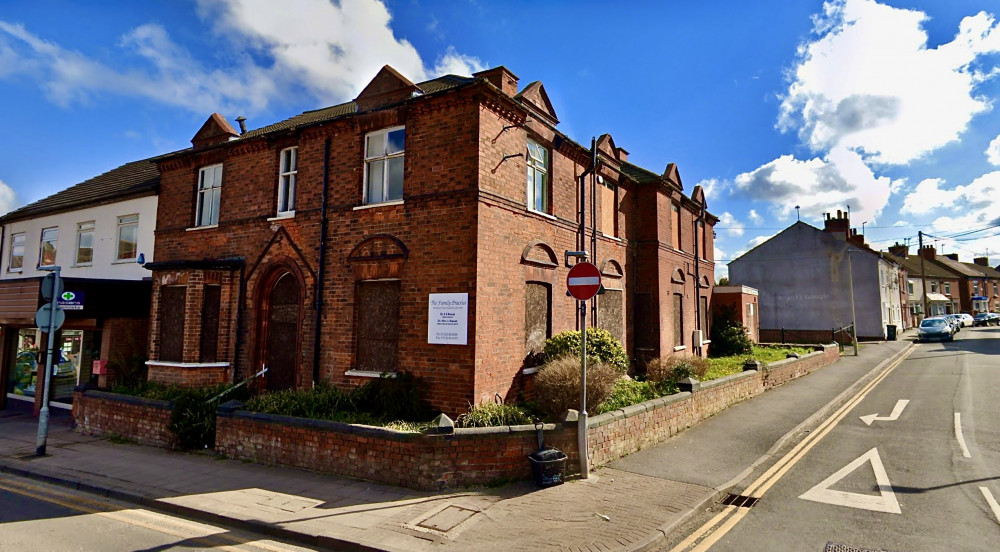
{"type": "Point", "coordinates": [420, 227]}
{"type": "Point", "coordinates": [97, 232]}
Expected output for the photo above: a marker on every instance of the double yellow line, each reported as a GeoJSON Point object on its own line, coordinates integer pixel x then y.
{"type": "Point", "coordinates": [708, 534]}
{"type": "Point", "coordinates": [153, 521]}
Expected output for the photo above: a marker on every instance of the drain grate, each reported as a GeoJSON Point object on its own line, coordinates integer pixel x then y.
{"type": "Point", "coordinates": [740, 501]}
{"type": "Point", "coordinates": [834, 547]}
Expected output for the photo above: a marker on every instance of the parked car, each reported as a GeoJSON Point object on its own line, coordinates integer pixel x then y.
{"type": "Point", "coordinates": [982, 319]}
{"type": "Point", "coordinates": [936, 328]}
{"type": "Point", "coordinates": [995, 318]}
{"type": "Point", "coordinates": [965, 318]}
{"type": "Point", "coordinates": [955, 321]}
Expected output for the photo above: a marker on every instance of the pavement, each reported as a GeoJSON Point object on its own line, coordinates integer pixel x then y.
{"type": "Point", "coordinates": [632, 504]}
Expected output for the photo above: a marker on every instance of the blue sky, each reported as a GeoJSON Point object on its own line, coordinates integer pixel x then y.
{"type": "Point", "coordinates": [889, 108]}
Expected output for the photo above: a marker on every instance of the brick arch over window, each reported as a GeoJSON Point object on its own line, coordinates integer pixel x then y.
{"type": "Point", "coordinates": [378, 256]}
{"type": "Point", "coordinates": [539, 261]}
{"type": "Point", "coordinates": [677, 276]}
{"type": "Point", "coordinates": [539, 253]}
{"type": "Point", "coordinates": [612, 274]}
{"type": "Point", "coordinates": [705, 283]}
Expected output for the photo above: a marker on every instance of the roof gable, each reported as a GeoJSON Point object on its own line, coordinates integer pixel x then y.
{"type": "Point", "coordinates": [388, 87]}
{"type": "Point", "coordinates": [534, 94]}
{"type": "Point", "coordinates": [673, 176]}
{"type": "Point", "coordinates": [216, 130]}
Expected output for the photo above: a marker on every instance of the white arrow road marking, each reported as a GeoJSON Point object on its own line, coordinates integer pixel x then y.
{"type": "Point", "coordinates": [885, 502]}
{"type": "Point", "coordinates": [959, 436]}
{"type": "Point", "coordinates": [991, 501]}
{"type": "Point", "coordinates": [896, 411]}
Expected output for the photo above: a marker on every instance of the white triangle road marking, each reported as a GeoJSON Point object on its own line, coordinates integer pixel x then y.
{"type": "Point", "coordinates": [892, 417]}
{"type": "Point", "coordinates": [885, 502]}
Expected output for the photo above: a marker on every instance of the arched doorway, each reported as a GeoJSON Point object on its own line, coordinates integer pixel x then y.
{"type": "Point", "coordinates": [281, 332]}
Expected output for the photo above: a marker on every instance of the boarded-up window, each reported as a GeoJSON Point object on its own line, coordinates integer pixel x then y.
{"type": "Point", "coordinates": [609, 209]}
{"type": "Point", "coordinates": [172, 299]}
{"type": "Point", "coordinates": [678, 319]}
{"type": "Point", "coordinates": [378, 325]}
{"type": "Point", "coordinates": [210, 324]}
{"type": "Point", "coordinates": [704, 316]}
{"type": "Point", "coordinates": [675, 226]}
{"type": "Point", "coordinates": [537, 319]}
{"type": "Point", "coordinates": [609, 313]}
{"type": "Point", "coordinates": [647, 326]}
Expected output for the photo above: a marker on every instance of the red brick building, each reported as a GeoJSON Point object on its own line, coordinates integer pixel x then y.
{"type": "Point", "coordinates": [740, 302]}
{"type": "Point", "coordinates": [318, 246]}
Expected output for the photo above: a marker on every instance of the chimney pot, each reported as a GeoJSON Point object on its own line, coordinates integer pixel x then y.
{"type": "Point", "coordinates": [243, 124]}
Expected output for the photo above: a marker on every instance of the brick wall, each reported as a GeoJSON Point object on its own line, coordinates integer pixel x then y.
{"type": "Point", "coordinates": [429, 462]}
{"type": "Point", "coordinates": [109, 415]}
{"type": "Point", "coordinates": [482, 455]}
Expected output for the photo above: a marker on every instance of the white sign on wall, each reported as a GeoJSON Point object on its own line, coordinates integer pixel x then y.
{"type": "Point", "coordinates": [448, 318]}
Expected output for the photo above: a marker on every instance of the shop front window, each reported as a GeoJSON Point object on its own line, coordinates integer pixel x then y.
{"type": "Point", "coordinates": [24, 373]}
{"type": "Point", "coordinates": [67, 371]}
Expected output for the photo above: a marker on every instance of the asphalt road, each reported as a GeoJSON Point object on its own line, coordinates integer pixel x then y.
{"type": "Point", "coordinates": [37, 517]}
{"type": "Point", "coordinates": [923, 476]}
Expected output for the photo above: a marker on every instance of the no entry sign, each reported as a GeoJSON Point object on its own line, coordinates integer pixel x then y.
{"type": "Point", "coordinates": [583, 281]}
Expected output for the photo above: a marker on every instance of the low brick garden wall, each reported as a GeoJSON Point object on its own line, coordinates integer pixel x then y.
{"type": "Point", "coordinates": [433, 461]}
{"type": "Point", "coordinates": [473, 456]}
{"type": "Point", "coordinates": [104, 414]}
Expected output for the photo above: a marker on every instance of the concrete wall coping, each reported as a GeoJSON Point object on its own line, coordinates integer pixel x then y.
{"type": "Point", "coordinates": [129, 399]}
{"type": "Point", "coordinates": [731, 377]}
{"type": "Point", "coordinates": [327, 425]}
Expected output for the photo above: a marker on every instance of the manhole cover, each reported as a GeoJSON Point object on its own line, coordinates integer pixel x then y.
{"type": "Point", "coordinates": [447, 519]}
{"type": "Point", "coordinates": [834, 547]}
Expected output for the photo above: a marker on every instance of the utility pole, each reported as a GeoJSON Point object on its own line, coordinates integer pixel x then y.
{"type": "Point", "coordinates": [923, 272]}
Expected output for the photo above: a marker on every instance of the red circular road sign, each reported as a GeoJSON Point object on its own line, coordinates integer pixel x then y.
{"type": "Point", "coordinates": [583, 281]}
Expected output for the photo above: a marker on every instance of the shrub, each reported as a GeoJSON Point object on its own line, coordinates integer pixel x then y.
{"type": "Point", "coordinates": [627, 392]}
{"type": "Point", "coordinates": [602, 347]}
{"type": "Point", "coordinates": [401, 396]}
{"type": "Point", "coordinates": [322, 402]}
{"type": "Point", "coordinates": [193, 416]}
{"type": "Point", "coordinates": [493, 414]}
{"type": "Point", "coordinates": [557, 385]}
{"type": "Point", "coordinates": [667, 371]}
{"type": "Point", "coordinates": [729, 337]}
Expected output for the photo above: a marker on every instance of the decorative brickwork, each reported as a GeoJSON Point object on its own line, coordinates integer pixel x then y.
{"type": "Point", "coordinates": [144, 421]}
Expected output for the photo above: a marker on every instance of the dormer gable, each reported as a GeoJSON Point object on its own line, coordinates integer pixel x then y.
{"type": "Point", "coordinates": [672, 176]}
{"type": "Point", "coordinates": [388, 87]}
{"type": "Point", "coordinates": [216, 130]}
{"type": "Point", "coordinates": [537, 99]}
{"type": "Point", "coordinates": [698, 195]}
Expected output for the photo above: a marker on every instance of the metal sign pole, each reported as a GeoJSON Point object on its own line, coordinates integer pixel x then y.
{"type": "Point", "coordinates": [581, 431]}
{"type": "Point", "coordinates": [43, 415]}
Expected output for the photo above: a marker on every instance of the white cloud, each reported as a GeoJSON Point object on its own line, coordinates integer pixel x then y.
{"type": "Point", "coordinates": [973, 207]}
{"type": "Point", "coordinates": [928, 196]}
{"type": "Point", "coordinates": [712, 187]}
{"type": "Point", "coordinates": [900, 223]}
{"type": "Point", "coordinates": [754, 217]}
{"type": "Point", "coordinates": [8, 199]}
{"type": "Point", "coordinates": [993, 151]}
{"type": "Point", "coordinates": [818, 185]}
{"type": "Point", "coordinates": [869, 82]}
{"type": "Point", "coordinates": [728, 222]}
{"type": "Point", "coordinates": [754, 242]}
{"type": "Point", "coordinates": [335, 49]}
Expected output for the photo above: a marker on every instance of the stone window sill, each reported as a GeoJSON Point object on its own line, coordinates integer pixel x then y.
{"type": "Point", "coordinates": [368, 374]}
{"type": "Point", "coordinates": [383, 204]}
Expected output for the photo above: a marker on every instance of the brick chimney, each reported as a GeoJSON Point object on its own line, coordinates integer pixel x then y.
{"type": "Point", "coordinates": [500, 77]}
{"type": "Point", "coordinates": [928, 252]}
{"type": "Point", "coordinates": [840, 225]}
{"type": "Point", "coordinates": [856, 239]}
{"type": "Point", "coordinates": [952, 256]}
{"type": "Point", "coordinates": [982, 261]}
{"type": "Point", "coordinates": [899, 250]}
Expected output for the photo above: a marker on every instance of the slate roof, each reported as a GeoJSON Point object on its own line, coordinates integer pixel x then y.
{"type": "Point", "coordinates": [131, 179]}
{"type": "Point", "coordinates": [639, 174]}
{"type": "Point", "coordinates": [960, 268]}
{"type": "Point", "coordinates": [988, 271]}
{"type": "Point", "coordinates": [315, 116]}
{"type": "Point", "coordinates": [912, 265]}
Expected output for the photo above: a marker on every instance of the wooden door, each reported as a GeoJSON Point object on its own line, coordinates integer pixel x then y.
{"type": "Point", "coordinates": [282, 333]}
